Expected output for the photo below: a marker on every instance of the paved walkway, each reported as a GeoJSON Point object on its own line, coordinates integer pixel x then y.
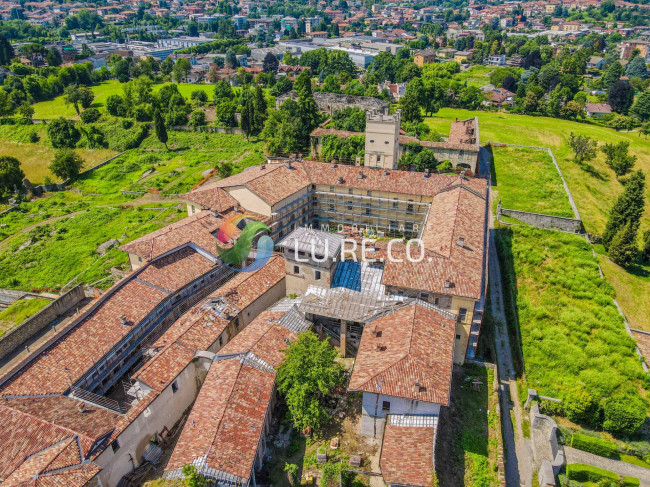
{"type": "Point", "coordinates": [617, 466]}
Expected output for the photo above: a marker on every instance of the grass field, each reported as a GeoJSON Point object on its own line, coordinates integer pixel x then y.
{"type": "Point", "coordinates": [527, 180]}
{"type": "Point", "coordinates": [57, 108]}
{"type": "Point", "coordinates": [19, 311]}
{"type": "Point", "coordinates": [570, 327]}
{"type": "Point", "coordinates": [36, 157]}
{"type": "Point", "coordinates": [475, 76]}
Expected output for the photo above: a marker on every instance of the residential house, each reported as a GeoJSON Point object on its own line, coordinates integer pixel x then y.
{"type": "Point", "coordinates": [597, 110]}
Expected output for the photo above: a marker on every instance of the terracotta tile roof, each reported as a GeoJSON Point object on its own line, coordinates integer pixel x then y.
{"type": "Point", "coordinates": [199, 328]}
{"type": "Point", "coordinates": [40, 434]}
{"type": "Point", "coordinates": [227, 419]}
{"type": "Point", "coordinates": [197, 229]}
{"type": "Point", "coordinates": [413, 345]}
{"type": "Point", "coordinates": [176, 270]}
{"type": "Point", "coordinates": [600, 108]}
{"type": "Point", "coordinates": [407, 455]}
{"type": "Point", "coordinates": [208, 197]}
{"type": "Point", "coordinates": [65, 361]}
{"type": "Point", "coordinates": [457, 213]}
{"type": "Point", "coordinates": [72, 477]}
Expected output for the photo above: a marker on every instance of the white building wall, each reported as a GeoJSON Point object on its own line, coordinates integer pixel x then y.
{"type": "Point", "coordinates": [373, 417]}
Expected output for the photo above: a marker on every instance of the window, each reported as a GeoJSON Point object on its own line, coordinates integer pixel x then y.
{"type": "Point", "coordinates": [394, 202]}
{"type": "Point", "coordinates": [115, 446]}
{"type": "Point", "coordinates": [174, 387]}
{"type": "Point", "coordinates": [317, 275]}
{"type": "Point", "coordinates": [462, 314]}
{"type": "Point", "coordinates": [457, 337]}
{"type": "Point", "coordinates": [331, 189]}
{"type": "Point", "coordinates": [425, 296]}
{"type": "Point", "coordinates": [367, 209]}
{"type": "Point", "coordinates": [386, 142]}
{"type": "Point", "coordinates": [372, 141]}
{"type": "Point", "coordinates": [332, 208]}
{"type": "Point", "coordinates": [436, 301]}
{"type": "Point", "coordinates": [378, 158]}
{"type": "Point", "coordinates": [349, 205]}
{"type": "Point", "coordinates": [349, 190]}
{"type": "Point", "coordinates": [296, 269]}
{"type": "Point", "coordinates": [409, 207]}
{"type": "Point", "coordinates": [385, 407]}
{"type": "Point", "coordinates": [220, 341]}
{"type": "Point", "coordinates": [369, 193]}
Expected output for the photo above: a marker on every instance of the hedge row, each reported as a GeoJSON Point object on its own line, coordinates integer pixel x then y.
{"type": "Point", "coordinates": [581, 472]}
{"type": "Point", "coordinates": [597, 446]}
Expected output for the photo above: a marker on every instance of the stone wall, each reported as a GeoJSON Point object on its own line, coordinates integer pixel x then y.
{"type": "Point", "coordinates": [329, 102]}
{"type": "Point", "coordinates": [570, 225]}
{"type": "Point", "coordinates": [34, 324]}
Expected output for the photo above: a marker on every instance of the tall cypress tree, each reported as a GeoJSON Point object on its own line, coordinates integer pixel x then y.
{"type": "Point", "coordinates": [161, 130]}
{"type": "Point", "coordinates": [628, 208]}
{"type": "Point", "coordinates": [6, 50]}
{"type": "Point", "coordinates": [307, 108]}
{"type": "Point", "coordinates": [247, 122]}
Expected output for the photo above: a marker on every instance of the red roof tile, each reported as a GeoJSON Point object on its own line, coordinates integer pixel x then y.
{"type": "Point", "coordinates": [407, 455]}
{"type": "Point", "coordinates": [415, 345]}
{"type": "Point", "coordinates": [176, 270]}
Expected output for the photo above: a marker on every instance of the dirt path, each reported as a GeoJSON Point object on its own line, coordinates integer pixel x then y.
{"type": "Point", "coordinates": [518, 453]}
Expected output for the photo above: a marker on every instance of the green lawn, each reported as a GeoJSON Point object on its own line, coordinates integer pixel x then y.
{"type": "Point", "coordinates": [19, 311]}
{"type": "Point", "coordinates": [570, 328]}
{"type": "Point", "coordinates": [57, 108]}
{"type": "Point", "coordinates": [527, 180]}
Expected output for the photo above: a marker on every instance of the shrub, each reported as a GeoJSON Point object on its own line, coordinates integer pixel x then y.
{"type": "Point", "coordinates": [127, 123]}
{"type": "Point", "coordinates": [588, 473]}
{"type": "Point", "coordinates": [63, 133]}
{"type": "Point", "coordinates": [91, 115]}
{"type": "Point", "coordinates": [624, 414]}
{"type": "Point", "coordinates": [597, 446]}
{"type": "Point", "coordinates": [33, 137]}
{"type": "Point", "coordinates": [66, 164]}
{"type": "Point", "coordinates": [630, 482]}
{"type": "Point", "coordinates": [580, 406]}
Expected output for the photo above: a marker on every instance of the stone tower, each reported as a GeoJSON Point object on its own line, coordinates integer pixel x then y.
{"type": "Point", "coordinates": [382, 140]}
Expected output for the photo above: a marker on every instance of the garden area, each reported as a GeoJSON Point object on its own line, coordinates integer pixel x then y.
{"type": "Point", "coordinates": [468, 433]}
{"type": "Point", "coordinates": [574, 343]}
{"type": "Point", "coordinates": [527, 180]}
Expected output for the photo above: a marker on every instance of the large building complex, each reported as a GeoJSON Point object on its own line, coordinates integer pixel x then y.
{"type": "Point", "coordinates": [95, 402]}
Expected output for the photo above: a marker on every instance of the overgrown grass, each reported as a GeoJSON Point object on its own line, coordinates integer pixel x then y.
{"type": "Point", "coordinates": [67, 248]}
{"type": "Point", "coordinates": [571, 330]}
{"type": "Point", "coordinates": [36, 157]}
{"type": "Point", "coordinates": [527, 180]}
{"type": "Point", "coordinates": [19, 311]}
{"type": "Point", "coordinates": [475, 76]}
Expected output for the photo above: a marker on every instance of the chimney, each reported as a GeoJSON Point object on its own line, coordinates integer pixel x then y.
{"type": "Point", "coordinates": [288, 164]}
{"type": "Point", "coordinates": [357, 161]}
{"type": "Point", "coordinates": [426, 173]}
{"type": "Point", "coordinates": [384, 173]}
{"type": "Point", "coordinates": [123, 320]}
{"type": "Point", "coordinates": [340, 180]}
{"type": "Point", "coordinates": [360, 176]}
{"type": "Point", "coordinates": [380, 347]}
{"type": "Point", "coordinates": [416, 388]}
{"type": "Point", "coordinates": [461, 242]}
{"type": "Point", "coordinates": [300, 156]}
{"type": "Point", "coordinates": [262, 166]}
{"type": "Point", "coordinates": [447, 284]}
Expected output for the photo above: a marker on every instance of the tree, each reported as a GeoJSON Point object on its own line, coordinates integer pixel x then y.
{"type": "Point", "coordinates": [66, 164]}
{"type": "Point", "coordinates": [53, 57]}
{"type": "Point", "coordinates": [115, 106]}
{"type": "Point", "coordinates": [624, 414]}
{"type": "Point", "coordinates": [584, 147]}
{"type": "Point", "coordinates": [645, 250]}
{"type": "Point", "coordinates": [636, 68]}
{"type": "Point", "coordinates": [63, 133]}
{"type": "Point", "coordinates": [26, 111]}
{"type": "Point", "coordinates": [411, 111]}
{"type": "Point", "coordinates": [308, 374]}
{"type": "Point", "coordinates": [161, 130]}
{"type": "Point", "coordinates": [270, 63]}
{"type": "Point", "coordinates": [6, 51]}
{"type": "Point", "coordinates": [282, 86]}
{"type": "Point", "coordinates": [192, 478]}
{"type": "Point", "coordinates": [618, 158]}
{"type": "Point", "coordinates": [613, 72]}
{"type": "Point", "coordinates": [627, 208]}
{"type": "Point", "coordinates": [226, 113]}
{"type": "Point", "coordinates": [200, 96]}
{"type": "Point", "coordinates": [641, 107]}
{"type": "Point", "coordinates": [622, 249]}
{"type": "Point", "coordinates": [620, 96]}
{"type": "Point", "coordinates": [223, 91]}
{"type": "Point", "coordinates": [509, 83]}
{"type": "Point", "coordinates": [167, 66]}
{"type": "Point", "coordinates": [231, 60]}
{"type": "Point", "coordinates": [78, 95]}
{"type": "Point", "coordinates": [11, 176]}
{"type": "Point", "coordinates": [181, 69]}
{"type": "Point", "coordinates": [307, 109]}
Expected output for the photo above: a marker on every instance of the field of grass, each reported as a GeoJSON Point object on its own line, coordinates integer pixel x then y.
{"type": "Point", "coordinates": [527, 180]}
{"type": "Point", "coordinates": [36, 157]}
{"type": "Point", "coordinates": [475, 76]}
{"type": "Point", "coordinates": [19, 311]}
{"type": "Point", "coordinates": [57, 108]}
{"type": "Point", "coordinates": [467, 439]}
{"type": "Point", "coordinates": [570, 327]}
